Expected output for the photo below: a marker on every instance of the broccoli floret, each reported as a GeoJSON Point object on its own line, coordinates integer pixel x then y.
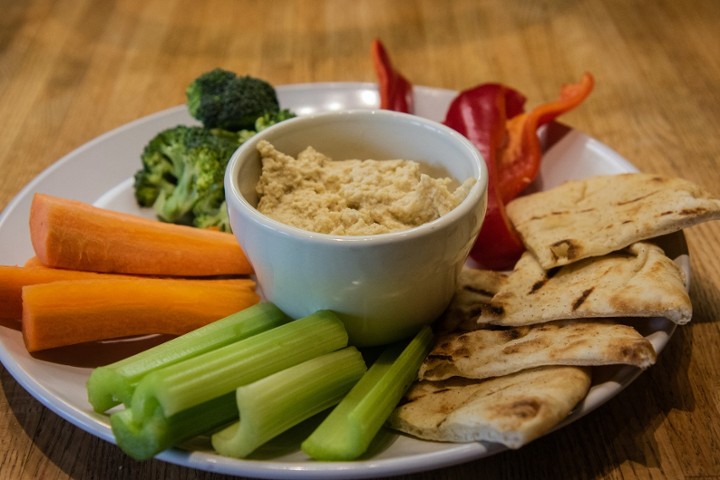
{"type": "Point", "coordinates": [201, 173]}
{"type": "Point", "coordinates": [156, 176]}
{"type": "Point", "coordinates": [210, 211]}
{"type": "Point", "coordinates": [270, 119]}
{"type": "Point", "coordinates": [184, 166]}
{"type": "Point", "coordinates": [159, 158]}
{"type": "Point", "coordinates": [183, 170]}
{"type": "Point", "coordinates": [265, 121]}
{"type": "Point", "coordinates": [210, 214]}
{"type": "Point", "coordinates": [221, 99]}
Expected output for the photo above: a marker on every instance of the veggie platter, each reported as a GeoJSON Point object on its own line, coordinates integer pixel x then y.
{"type": "Point", "coordinates": [111, 159]}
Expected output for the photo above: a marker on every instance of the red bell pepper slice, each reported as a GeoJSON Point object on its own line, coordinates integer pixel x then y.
{"type": "Point", "coordinates": [519, 162]}
{"type": "Point", "coordinates": [480, 114]}
{"type": "Point", "coordinates": [395, 90]}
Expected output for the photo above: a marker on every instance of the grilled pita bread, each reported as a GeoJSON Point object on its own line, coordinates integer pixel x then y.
{"type": "Point", "coordinates": [514, 351]}
{"type": "Point", "coordinates": [639, 281]}
{"type": "Point", "coordinates": [512, 410]}
{"type": "Point", "coordinates": [491, 352]}
{"type": "Point", "coordinates": [471, 301]}
{"type": "Point", "coordinates": [602, 214]}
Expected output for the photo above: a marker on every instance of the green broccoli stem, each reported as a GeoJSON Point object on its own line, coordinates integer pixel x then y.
{"type": "Point", "coordinates": [280, 401]}
{"type": "Point", "coordinates": [113, 384]}
{"type": "Point", "coordinates": [346, 433]}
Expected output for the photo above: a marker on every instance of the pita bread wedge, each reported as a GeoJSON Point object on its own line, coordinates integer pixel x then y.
{"type": "Point", "coordinates": [639, 281]}
{"type": "Point", "coordinates": [492, 353]}
{"type": "Point", "coordinates": [471, 301]}
{"type": "Point", "coordinates": [601, 214]}
{"type": "Point", "coordinates": [512, 410]}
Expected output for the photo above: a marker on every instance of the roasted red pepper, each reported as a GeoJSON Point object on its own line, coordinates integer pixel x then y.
{"type": "Point", "coordinates": [395, 90]}
{"type": "Point", "coordinates": [519, 161]}
{"type": "Point", "coordinates": [481, 114]}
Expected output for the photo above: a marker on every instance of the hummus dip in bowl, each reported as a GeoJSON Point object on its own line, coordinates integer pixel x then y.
{"type": "Point", "coordinates": [385, 286]}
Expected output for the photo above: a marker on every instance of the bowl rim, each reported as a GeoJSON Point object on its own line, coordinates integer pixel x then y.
{"type": "Point", "coordinates": [471, 200]}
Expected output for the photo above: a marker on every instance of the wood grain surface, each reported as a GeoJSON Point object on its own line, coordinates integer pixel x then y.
{"type": "Point", "coordinates": [71, 70]}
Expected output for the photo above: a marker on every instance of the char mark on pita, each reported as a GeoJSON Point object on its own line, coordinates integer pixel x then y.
{"type": "Point", "coordinates": [584, 295]}
{"type": "Point", "coordinates": [471, 302]}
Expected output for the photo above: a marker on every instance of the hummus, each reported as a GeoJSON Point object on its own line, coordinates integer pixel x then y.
{"type": "Point", "coordinates": [351, 197]}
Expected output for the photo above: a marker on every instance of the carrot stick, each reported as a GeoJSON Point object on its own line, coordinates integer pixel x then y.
{"type": "Point", "coordinates": [13, 279]}
{"type": "Point", "coordinates": [76, 311]}
{"type": "Point", "coordinates": [75, 235]}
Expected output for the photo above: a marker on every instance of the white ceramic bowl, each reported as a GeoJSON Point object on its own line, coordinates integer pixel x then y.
{"type": "Point", "coordinates": [384, 287]}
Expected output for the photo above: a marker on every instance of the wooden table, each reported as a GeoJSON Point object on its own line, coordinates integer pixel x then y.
{"type": "Point", "coordinates": [72, 70]}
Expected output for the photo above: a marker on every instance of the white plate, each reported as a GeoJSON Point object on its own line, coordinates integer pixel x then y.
{"type": "Point", "coordinates": [100, 172]}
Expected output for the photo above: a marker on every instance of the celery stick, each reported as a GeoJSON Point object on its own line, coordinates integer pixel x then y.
{"type": "Point", "coordinates": [273, 404]}
{"type": "Point", "coordinates": [347, 431]}
{"type": "Point", "coordinates": [113, 384]}
{"type": "Point", "coordinates": [158, 433]}
{"type": "Point", "coordinates": [177, 402]}
{"type": "Point", "coordinates": [196, 380]}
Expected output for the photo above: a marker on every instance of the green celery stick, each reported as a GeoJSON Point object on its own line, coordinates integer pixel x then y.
{"type": "Point", "coordinates": [113, 384]}
{"type": "Point", "coordinates": [163, 407]}
{"type": "Point", "coordinates": [158, 433]}
{"type": "Point", "coordinates": [198, 379]}
{"type": "Point", "coordinates": [280, 401]}
{"type": "Point", "coordinates": [347, 431]}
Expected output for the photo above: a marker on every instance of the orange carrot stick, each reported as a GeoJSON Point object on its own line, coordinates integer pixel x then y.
{"type": "Point", "coordinates": [75, 235]}
{"type": "Point", "coordinates": [13, 279]}
{"type": "Point", "coordinates": [76, 311]}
